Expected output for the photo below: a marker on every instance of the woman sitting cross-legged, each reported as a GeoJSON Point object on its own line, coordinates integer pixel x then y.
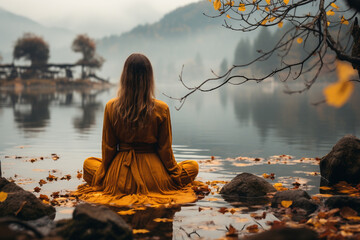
{"type": "Point", "coordinates": [138, 164]}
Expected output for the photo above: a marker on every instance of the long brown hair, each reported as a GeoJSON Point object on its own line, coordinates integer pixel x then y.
{"type": "Point", "coordinates": [136, 92]}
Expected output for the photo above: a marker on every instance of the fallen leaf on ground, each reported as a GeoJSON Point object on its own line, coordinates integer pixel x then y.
{"type": "Point", "coordinates": [232, 232]}
{"type": "Point", "coordinates": [253, 228]}
{"type": "Point", "coordinates": [286, 204]}
{"type": "Point", "coordinates": [163, 220]}
{"type": "Point", "coordinates": [127, 212]}
{"type": "Point", "coordinates": [3, 196]}
{"type": "Point", "coordinates": [140, 231]}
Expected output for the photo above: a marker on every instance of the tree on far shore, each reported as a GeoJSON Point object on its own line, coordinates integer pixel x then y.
{"type": "Point", "coordinates": [32, 48]}
{"type": "Point", "coordinates": [87, 47]}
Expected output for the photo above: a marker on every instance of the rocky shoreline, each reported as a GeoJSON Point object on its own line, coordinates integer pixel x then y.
{"type": "Point", "coordinates": [299, 215]}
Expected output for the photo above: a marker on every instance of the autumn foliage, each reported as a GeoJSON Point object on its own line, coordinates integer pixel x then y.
{"type": "Point", "coordinates": [33, 48]}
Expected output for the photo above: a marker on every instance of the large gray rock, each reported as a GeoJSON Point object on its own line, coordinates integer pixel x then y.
{"type": "Point", "coordinates": [299, 198]}
{"type": "Point", "coordinates": [93, 222]}
{"type": "Point", "coordinates": [343, 201]}
{"type": "Point", "coordinates": [342, 163]}
{"type": "Point", "coordinates": [22, 204]}
{"type": "Point", "coordinates": [246, 186]}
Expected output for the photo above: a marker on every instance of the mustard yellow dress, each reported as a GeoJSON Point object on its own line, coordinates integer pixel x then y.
{"type": "Point", "coordinates": [138, 164]}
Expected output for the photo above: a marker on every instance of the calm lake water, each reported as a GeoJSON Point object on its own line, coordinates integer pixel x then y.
{"type": "Point", "coordinates": [256, 120]}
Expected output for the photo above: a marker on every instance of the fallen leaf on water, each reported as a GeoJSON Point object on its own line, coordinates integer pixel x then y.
{"type": "Point", "coordinates": [258, 216]}
{"type": "Point", "coordinates": [37, 189]}
{"type": "Point", "coordinates": [140, 231]}
{"type": "Point", "coordinates": [204, 208]}
{"type": "Point", "coordinates": [44, 197]}
{"type": "Point", "coordinates": [325, 188]}
{"type": "Point", "coordinates": [51, 178]}
{"type": "Point", "coordinates": [128, 212]}
{"type": "Point", "coordinates": [42, 182]}
{"type": "Point", "coordinates": [55, 194]}
{"type": "Point", "coordinates": [253, 228]}
{"type": "Point", "coordinates": [66, 177]}
{"type": "Point", "coordinates": [286, 204]}
{"type": "Point", "coordinates": [79, 174]}
{"type": "Point", "coordinates": [3, 196]}
{"type": "Point", "coordinates": [54, 156]}
{"type": "Point", "coordinates": [231, 231]}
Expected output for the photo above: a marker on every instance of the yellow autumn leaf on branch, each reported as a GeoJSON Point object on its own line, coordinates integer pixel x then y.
{"type": "Point", "coordinates": [257, 7]}
{"type": "Point", "coordinates": [272, 19]}
{"type": "Point", "coordinates": [267, 9]}
{"type": "Point", "coordinates": [286, 204]}
{"type": "Point", "coordinates": [217, 4]}
{"type": "Point", "coordinates": [286, 2]}
{"type": "Point", "coordinates": [228, 16]}
{"type": "Point", "coordinates": [268, 1]}
{"type": "Point", "coordinates": [330, 12]}
{"type": "Point", "coordinates": [280, 24]}
{"type": "Point", "coordinates": [3, 196]}
{"type": "Point", "coordinates": [338, 93]}
{"type": "Point", "coordinates": [241, 7]}
{"type": "Point", "coordinates": [299, 40]}
{"type": "Point", "coordinates": [328, 23]}
{"type": "Point", "coordinates": [264, 21]}
{"type": "Point", "coordinates": [229, 3]}
{"type": "Point", "coordinates": [334, 5]}
{"type": "Point", "coordinates": [344, 21]}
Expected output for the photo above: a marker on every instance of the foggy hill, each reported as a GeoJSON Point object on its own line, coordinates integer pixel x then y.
{"type": "Point", "coordinates": [183, 36]}
{"type": "Point", "coordinates": [13, 26]}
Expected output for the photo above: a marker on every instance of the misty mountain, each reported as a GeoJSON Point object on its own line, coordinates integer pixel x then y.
{"type": "Point", "coordinates": [13, 26]}
{"type": "Point", "coordinates": [183, 36]}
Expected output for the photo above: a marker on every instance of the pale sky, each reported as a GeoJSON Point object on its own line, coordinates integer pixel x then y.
{"type": "Point", "coordinates": [96, 17]}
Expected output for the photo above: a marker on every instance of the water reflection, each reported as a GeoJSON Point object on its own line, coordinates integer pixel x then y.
{"type": "Point", "coordinates": [158, 221]}
{"type": "Point", "coordinates": [294, 118]}
{"type": "Point", "coordinates": [31, 108]}
{"type": "Point", "coordinates": [89, 107]}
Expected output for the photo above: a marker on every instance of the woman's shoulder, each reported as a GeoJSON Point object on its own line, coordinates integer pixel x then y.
{"type": "Point", "coordinates": [160, 104]}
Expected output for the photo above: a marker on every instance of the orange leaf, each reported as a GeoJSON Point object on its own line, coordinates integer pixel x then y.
{"type": "Point", "coordinates": [267, 9]}
{"type": "Point", "coordinates": [138, 231]}
{"type": "Point", "coordinates": [268, 1]}
{"type": "Point", "coordinates": [344, 21]}
{"type": "Point", "coordinates": [286, 204]}
{"type": "Point", "coordinates": [330, 12]}
{"type": "Point", "coordinates": [241, 7]}
{"type": "Point", "coordinates": [334, 5]}
{"type": "Point", "coordinates": [217, 4]}
{"type": "Point", "coordinates": [286, 2]}
{"type": "Point", "coordinates": [338, 93]}
{"type": "Point", "coordinates": [264, 21]}
{"type": "Point", "coordinates": [128, 212]}
{"type": "Point", "coordinates": [280, 24]}
{"type": "Point", "coordinates": [299, 40]}
{"type": "Point", "coordinates": [163, 220]}
{"type": "Point", "coordinates": [3, 196]}
{"type": "Point", "coordinates": [228, 16]}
